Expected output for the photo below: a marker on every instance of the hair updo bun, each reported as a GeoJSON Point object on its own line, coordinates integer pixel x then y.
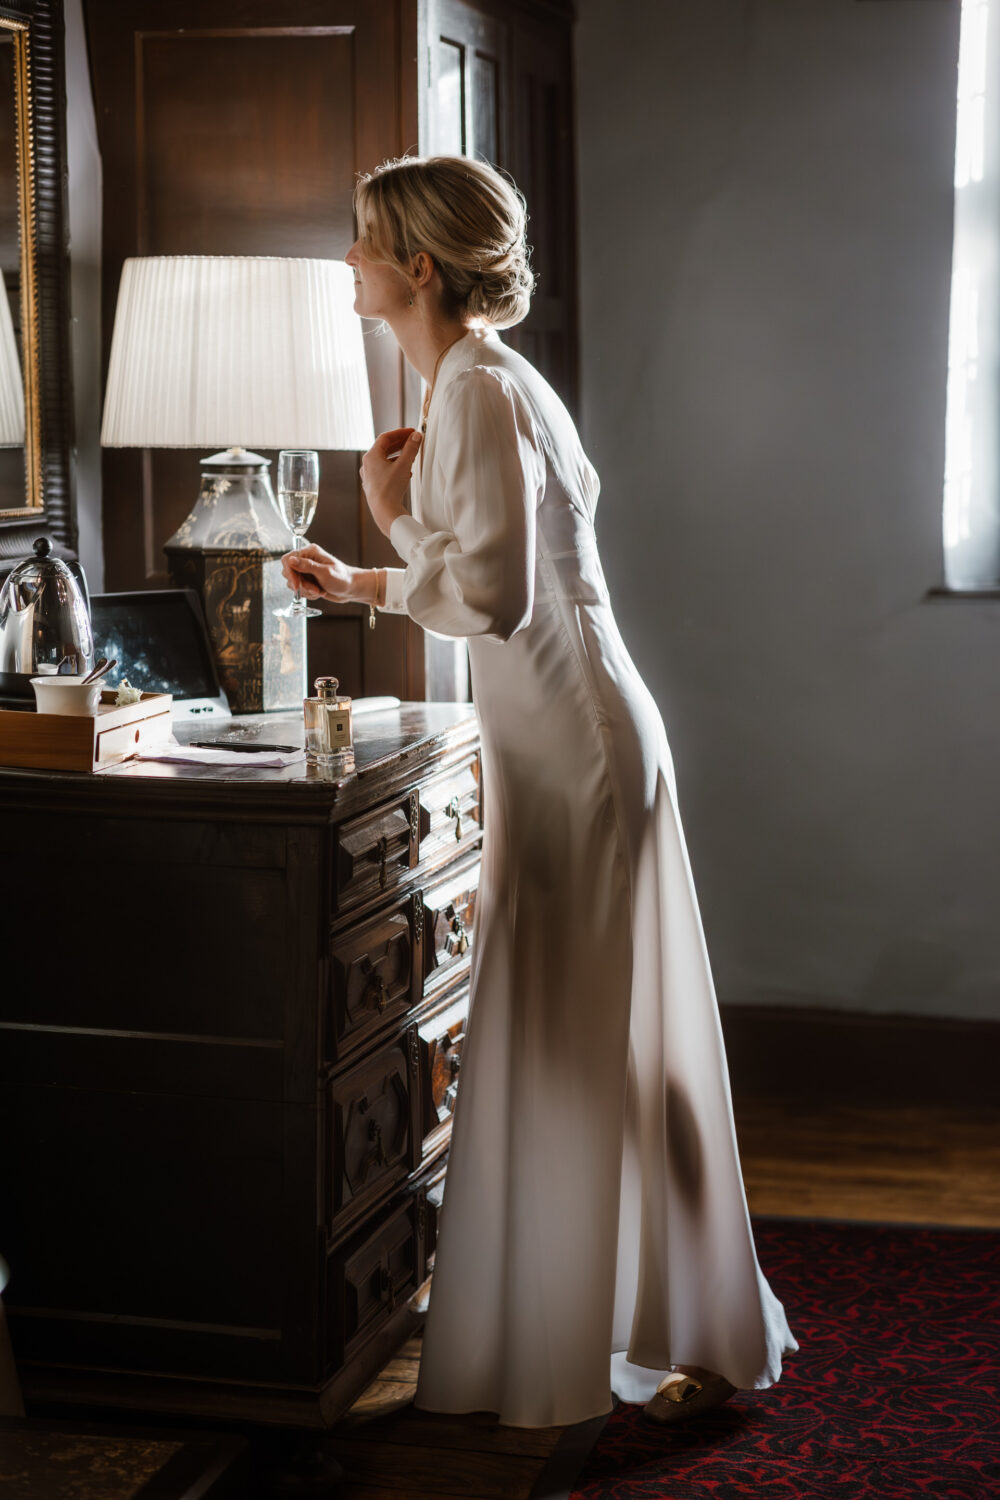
{"type": "Point", "coordinates": [468, 218]}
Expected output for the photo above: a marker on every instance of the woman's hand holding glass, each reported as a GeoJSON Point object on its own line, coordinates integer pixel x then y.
{"type": "Point", "coordinates": [317, 574]}
{"type": "Point", "coordinates": [385, 478]}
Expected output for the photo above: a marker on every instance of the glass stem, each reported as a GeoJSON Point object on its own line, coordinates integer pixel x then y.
{"type": "Point", "coordinates": [299, 542]}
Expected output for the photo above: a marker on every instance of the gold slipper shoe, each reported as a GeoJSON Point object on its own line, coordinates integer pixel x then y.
{"type": "Point", "coordinates": [682, 1394]}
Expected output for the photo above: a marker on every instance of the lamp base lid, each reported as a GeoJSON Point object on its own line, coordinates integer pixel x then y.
{"type": "Point", "coordinates": [236, 458]}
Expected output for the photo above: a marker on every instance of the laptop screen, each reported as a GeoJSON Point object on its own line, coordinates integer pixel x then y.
{"type": "Point", "coordinates": [159, 639]}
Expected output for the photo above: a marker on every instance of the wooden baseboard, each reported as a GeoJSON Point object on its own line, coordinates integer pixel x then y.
{"type": "Point", "coordinates": [857, 1058]}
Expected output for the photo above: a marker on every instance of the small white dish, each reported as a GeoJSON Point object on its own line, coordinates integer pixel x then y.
{"type": "Point", "coordinates": [67, 695]}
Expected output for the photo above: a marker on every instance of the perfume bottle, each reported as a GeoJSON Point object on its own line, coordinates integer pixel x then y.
{"type": "Point", "coordinates": [329, 732]}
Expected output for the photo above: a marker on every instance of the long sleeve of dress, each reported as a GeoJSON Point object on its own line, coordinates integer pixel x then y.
{"type": "Point", "coordinates": [474, 574]}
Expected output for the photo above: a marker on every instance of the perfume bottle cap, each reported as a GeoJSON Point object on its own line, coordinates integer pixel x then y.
{"type": "Point", "coordinates": [327, 687]}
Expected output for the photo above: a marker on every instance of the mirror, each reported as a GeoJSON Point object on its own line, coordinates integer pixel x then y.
{"type": "Point", "coordinates": [19, 437]}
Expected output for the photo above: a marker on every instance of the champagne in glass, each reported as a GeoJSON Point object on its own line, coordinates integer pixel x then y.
{"type": "Point", "coordinates": [298, 491]}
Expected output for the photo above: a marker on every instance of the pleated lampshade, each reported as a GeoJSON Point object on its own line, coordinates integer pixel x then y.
{"type": "Point", "coordinates": [218, 351]}
{"type": "Point", "coordinates": [11, 381]}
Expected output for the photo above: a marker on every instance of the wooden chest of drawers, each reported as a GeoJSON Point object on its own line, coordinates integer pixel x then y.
{"type": "Point", "coordinates": [230, 1035]}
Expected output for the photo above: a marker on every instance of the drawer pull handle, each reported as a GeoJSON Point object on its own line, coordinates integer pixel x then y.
{"type": "Point", "coordinates": [454, 810]}
{"type": "Point", "coordinates": [458, 940]}
{"type": "Point", "coordinates": [375, 1136]}
{"type": "Point", "coordinates": [386, 1290]}
{"type": "Point", "coordinates": [376, 991]}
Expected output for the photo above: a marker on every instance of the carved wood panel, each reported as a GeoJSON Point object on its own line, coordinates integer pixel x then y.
{"type": "Point", "coordinates": [449, 922]}
{"type": "Point", "coordinates": [376, 850]}
{"type": "Point", "coordinates": [376, 975]}
{"type": "Point", "coordinates": [452, 810]}
{"type": "Point", "coordinates": [371, 1277]}
{"type": "Point", "coordinates": [372, 1130]}
{"type": "Point", "coordinates": [442, 1039]}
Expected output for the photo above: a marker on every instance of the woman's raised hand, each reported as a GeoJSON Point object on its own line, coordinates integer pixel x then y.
{"type": "Point", "coordinates": [385, 474]}
{"type": "Point", "coordinates": [320, 575]}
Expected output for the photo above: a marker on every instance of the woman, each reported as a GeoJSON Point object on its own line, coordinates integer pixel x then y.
{"type": "Point", "coordinates": [595, 1233]}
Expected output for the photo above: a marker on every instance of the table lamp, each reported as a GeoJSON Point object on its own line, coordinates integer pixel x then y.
{"type": "Point", "coordinates": [209, 351]}
{"type": "Point", "coordinates": [11, 381]}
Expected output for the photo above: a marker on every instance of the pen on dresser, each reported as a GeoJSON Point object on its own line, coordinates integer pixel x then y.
{"type": "Point", "coordinates": [240, 749]}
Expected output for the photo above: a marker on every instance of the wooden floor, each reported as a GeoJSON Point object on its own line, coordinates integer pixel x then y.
{"type": "Point", "coordinates": [909, 1165]}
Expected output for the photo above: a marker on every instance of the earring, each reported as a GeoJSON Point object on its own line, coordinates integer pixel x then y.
{"type": "Point", "coordinates": [411, 296]}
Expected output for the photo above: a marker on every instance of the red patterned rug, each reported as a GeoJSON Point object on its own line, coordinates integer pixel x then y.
{"type": "Point", "coordinates": [894, 1392]}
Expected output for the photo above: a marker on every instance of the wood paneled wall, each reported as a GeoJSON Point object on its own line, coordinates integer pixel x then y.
{"type": "Point", "coordinates": [234, 127]}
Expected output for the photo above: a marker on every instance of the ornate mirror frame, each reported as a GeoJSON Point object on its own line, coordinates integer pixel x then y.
{"type": "Point", "coordinates": [19, 34]}
{"type": "Point", "coordinates": [41, 113]}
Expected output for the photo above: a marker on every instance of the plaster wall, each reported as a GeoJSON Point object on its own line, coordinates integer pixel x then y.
{"type": "Point", "coordinates": [765, 230]}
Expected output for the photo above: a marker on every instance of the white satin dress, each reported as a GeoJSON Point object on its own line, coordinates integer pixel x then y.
{"type": "Point", "coordinates": [594, 1228]}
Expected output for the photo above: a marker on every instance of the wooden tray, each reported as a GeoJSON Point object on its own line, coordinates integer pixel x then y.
{"type": "Point", "coordinates": [58, 742]}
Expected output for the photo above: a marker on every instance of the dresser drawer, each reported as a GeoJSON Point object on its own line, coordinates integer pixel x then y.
{"type": "Point", "coordinates": [376, 975]}
{"type": "Point", "coordinates": [449, 923]}
{"type": "Point", "coordinates": [374, 852]}
{"type": "Point", "coordinates": [425, 826]}
{"type": "Point", "coordinates": [372, 1276]}
{"type": "Point", "coordinates": [452, 810]}
{"type": "Point", "coordinates": [373, 1129]}
{"type": "Point", "coordinates": [442, 1037]}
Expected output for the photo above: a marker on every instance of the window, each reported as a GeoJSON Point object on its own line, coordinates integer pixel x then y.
{"type": "Point", "coordinates": [972, 432]}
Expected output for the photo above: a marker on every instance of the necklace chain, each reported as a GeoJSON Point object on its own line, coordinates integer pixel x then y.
{"type": "Point", "coordinates": [430, 390]}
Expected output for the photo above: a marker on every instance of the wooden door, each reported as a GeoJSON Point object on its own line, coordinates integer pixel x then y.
{"type": "Point", "coordinates": [237, 127]}
{"type": "Point", "coordinates": [499, 87]}
{"type": "Point", "coordinates": [468, 82]}
{"type": "Point", "coordinates": [542, 161]}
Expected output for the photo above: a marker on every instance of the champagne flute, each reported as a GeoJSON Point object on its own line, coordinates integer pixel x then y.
{"type": "Point", "coordinates": [298, 491]}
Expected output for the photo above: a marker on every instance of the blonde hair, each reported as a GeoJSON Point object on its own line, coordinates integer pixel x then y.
{"type": "Point", "coordinates": [468, 218]}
